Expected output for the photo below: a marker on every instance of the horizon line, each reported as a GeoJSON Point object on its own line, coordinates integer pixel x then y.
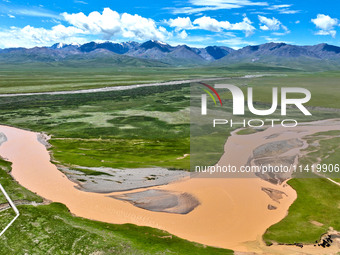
{"type": "Point", "coordinates": [162, 42]}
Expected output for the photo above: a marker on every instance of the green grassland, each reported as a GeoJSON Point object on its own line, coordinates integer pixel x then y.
{"type": "Point", "coordinates": [118, 153]}
{"type": "Point", "coordinates": [247, 131]}
{"type": "Point", "coordinates": [52, 229]}
{"type": "Point", "coordinates": [318, 199]}
{"type": "Point", "coordinates": [324, 149]}
{"type": "Point", "coordinates": [22, 81]}
{"type": "Point", "coordinates": [324, 87]}
{"type": "Point", "coordinates": [53, 77]}
{"type": "Point", "coordinates": [135, 128]}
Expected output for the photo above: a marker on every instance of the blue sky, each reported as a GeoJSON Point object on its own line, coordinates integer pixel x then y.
{"type": "Point", "coordinates": [233, 23]}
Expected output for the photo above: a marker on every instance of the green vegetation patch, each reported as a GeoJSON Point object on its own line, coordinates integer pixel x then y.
{"type": "Point", "coordinates": [118, 129]}
{"type": "Point", "coordinates": [122, 153]}
{"type": "Point", "coordinates": [247, 131]}
{"type": "Point", "coordinates": [324, 87]}
{"type": "Point", "coordinates": [51, 229]}
{"type": "Point", "coordinates": [88, 172]}
{"type": "Point", "coordinates": [100, 73]}
{"type": "Point", "coordinates": [324, 150]}
{"type": "Point", "coordinates": [318, 200]}
{"type": "Point", "coordinates": [317, 207]}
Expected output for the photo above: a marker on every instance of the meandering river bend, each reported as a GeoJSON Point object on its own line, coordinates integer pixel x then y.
{"type": "Point", "coordinates": [233, 213]}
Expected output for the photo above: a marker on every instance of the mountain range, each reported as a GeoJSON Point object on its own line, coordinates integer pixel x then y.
{"type": "Point", "coordinates": [156, 53]}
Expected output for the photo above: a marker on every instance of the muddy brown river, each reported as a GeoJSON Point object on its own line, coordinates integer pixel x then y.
{"type": "Point", "coordinates": [233, 212]}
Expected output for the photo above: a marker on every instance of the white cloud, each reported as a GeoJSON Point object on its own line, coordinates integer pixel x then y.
{"type": "Point", "coordinates": [281, 33]}
{"type": "Point", "coordinates": [245, 26]}
{"type": "Point", "coordinates": [279, 6]}
{"type": "Point", "coordinates": [183, 34]}
{"type": "Point", "coordinates": [30, 36]}
{"type": "Point", "coordinates": [269, 24]}
{"type": "Point", "coordinates": [269, 39]}
{"type": "Point", "coordinates": [272, 24]}
{"type": "Point", "coordinates": [326, 24]}
{"type": "Point", "coordinates": [80, 2]}
{"type": "Point", "coordinates": [180, 23]}
{"type": "Point", "coordinates": [35, 13]}
{"type": "Point", "coordinates": [135, 26]}
{"type": "Point", "coordinates": [11, 16]}
{"type": "Point", "coordinates": [283, 9]}
{"type": "Point", "coordinates": [211, 24]}
{"type": "Point", "coordinates": [110, 23]}
{"type": "Point", "coordinates": [289, 11]}
{"type": "Point", "coordinates": [211, 5]}
{"type": "Point", "coordinates": [32, 12]}
{"type": "Point", "coordinates": [107, 24]}
{"type": "Point", "coordinates": [328, 32]}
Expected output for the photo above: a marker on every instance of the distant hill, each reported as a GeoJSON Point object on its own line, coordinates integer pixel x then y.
{"type": "Point", "coordinates": [317, 57]}
{"type": "Point", "coordinates": [73, 56]}
{"type": "Point", "coordinates": [150, 50]}
{"type": "Point", "coordinates": [156, 53]}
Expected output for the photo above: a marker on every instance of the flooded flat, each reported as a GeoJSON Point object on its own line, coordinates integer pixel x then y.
{"type": "Point", "coordinates": [232, 212]}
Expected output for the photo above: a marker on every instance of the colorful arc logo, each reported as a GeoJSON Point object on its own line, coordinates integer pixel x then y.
{"type": "Point", "coordinates": [204, 97]}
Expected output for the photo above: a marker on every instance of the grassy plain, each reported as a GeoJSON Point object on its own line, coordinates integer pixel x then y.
{"type": "Point", "coordinates": [316, 208]}
{"type": "Point", "coordinates": [134, 128]}
{"type": "Point", "coordinates": [51, 229]}
{"type": "Point", "coordinates": [325, 153]}
{"type": "Point", "coordinates": [324, 87]}
{"type": "Point", "coordinates": [318, 201]}
{"type": "Point", "coordinates": [52, 77]}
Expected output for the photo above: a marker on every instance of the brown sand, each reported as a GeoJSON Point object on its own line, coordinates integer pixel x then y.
{"type": "Point", "coordinates": [233, 213]}
{"type": "Point", "coordinates": [161, 201]}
